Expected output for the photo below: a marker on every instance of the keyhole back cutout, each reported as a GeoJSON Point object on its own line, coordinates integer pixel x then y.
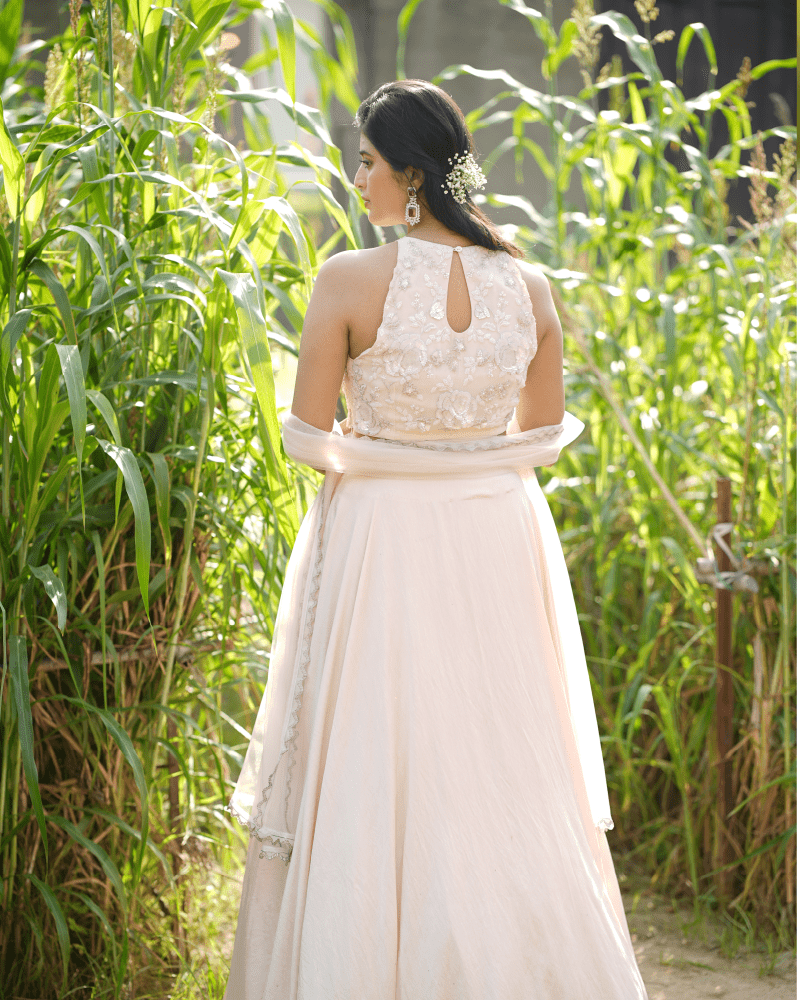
{"type": "Point", "coordinates": [459, 305]}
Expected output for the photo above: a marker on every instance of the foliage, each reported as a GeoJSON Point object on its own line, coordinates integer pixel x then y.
{"type": "Point", "coordinates": [147, 509]}
{"type": "Point", "coordinates": [685, 327]}
{"type": "Point", "coordinates": [151, 271]}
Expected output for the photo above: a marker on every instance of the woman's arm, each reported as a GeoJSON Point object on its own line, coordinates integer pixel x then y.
{"type": "Point", "coordinates": [324, 343]}
{"type": "Point", "coordinates": [541, 401]}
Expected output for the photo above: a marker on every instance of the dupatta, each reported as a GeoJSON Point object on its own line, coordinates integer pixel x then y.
{"type": "Point", "coordinates": [269, 789]}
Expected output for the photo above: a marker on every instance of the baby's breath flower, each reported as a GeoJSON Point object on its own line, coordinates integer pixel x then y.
{"type": "Point", "coordinates": [465, 174]}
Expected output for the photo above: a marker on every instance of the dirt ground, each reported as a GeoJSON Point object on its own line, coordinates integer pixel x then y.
{"type": "Point", "coordinates": [682, 962]}
{"type": "Point", "coordinates": [678, 959]}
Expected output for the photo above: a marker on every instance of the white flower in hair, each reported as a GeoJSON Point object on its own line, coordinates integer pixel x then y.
{"type": "Point", "coordinates": [464, 175]}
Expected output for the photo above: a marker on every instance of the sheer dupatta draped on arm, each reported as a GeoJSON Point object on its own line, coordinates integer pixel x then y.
{"type": "Point", "coordinates": [269, 789]}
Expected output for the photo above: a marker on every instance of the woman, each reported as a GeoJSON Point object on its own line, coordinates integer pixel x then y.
{"type": "Point", "coordinates": [424, 786]}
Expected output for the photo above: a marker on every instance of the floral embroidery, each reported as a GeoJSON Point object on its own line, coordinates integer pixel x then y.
{"type": "Point", "coordinates": [407, 356]}
{"type": "Point", "coordinates": [456, 409]}
{"type": "Point", "coordinates": [413, 380]}
{"type": "Point", "coordinates": [511, 354]}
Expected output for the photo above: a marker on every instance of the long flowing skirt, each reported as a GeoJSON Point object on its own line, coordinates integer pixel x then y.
{"type": "Point", "coordinates": [443, 846]}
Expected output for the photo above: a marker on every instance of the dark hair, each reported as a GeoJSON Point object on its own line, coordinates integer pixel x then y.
{"type": "Point", "coordinates": [413, 123]}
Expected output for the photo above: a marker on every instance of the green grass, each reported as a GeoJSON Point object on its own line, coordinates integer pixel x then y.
{"type": "Point", "coordinates": [155, 280]}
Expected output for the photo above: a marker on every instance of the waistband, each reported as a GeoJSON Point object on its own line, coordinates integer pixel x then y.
{"type": "Point", "coordinates": [336, 452]}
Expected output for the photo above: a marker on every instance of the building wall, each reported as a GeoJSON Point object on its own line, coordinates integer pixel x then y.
{"type": "Point", "coordinates": [479, 33]}
{"type": "Point", "coordinates": [760, 29]}
{"type": "Point", "coordinates": [485, 35]}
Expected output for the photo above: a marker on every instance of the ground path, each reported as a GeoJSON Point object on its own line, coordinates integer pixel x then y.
{"type": "Point", "coordinates": [679, 962]}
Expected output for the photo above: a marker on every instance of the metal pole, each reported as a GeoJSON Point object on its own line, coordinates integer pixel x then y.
{"type": "Point", "coordinates": [724, 705]}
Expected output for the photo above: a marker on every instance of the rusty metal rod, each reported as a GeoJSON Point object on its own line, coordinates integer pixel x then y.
{"type": "Point", "coordinates": [724, 702]}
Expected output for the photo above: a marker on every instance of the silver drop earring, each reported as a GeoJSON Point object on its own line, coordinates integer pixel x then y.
{"type": "Point", "coordinates": [412, 207]}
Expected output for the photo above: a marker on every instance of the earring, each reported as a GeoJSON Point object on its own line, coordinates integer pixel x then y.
{"type": "Point", "coordinates": [412, 207]}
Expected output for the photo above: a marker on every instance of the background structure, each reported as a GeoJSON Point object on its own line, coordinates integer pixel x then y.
{"type": "Point", "coordinates": [484, 35]}
{"type": "Point", "coordinates": [487, 36]}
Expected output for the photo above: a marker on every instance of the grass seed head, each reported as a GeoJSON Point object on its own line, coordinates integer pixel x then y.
{"type": "Point", "coordinates": [586, 48]}
{"type": "Point", "coordinates": [124, 55]}
{"type": "Point", "coordinates": [647, 10]}
{"type": "Point", "coordinates": [54, 81]}
{"type": "Point", "coordinates": [745, 77]}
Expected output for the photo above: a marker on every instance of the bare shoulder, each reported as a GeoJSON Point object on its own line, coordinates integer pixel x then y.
{"type": "Point", "coordinates": [353, 275]}
{"type": "Point", "coordinates": [536, 280]}
{"type": "Point", "coordinates": [361, 264]}
{"type": "Point", "coordinates": [538, 285]}
{"type": "Point", "coordinates": [338, 265]}
{"type": "Point", "coordinates": [368, 268]}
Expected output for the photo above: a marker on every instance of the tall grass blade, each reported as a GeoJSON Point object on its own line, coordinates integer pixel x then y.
{"type": "Point", "coordinates": [12, 331]}
{"type": "Point", "coordinates": [61, 924]}
{"type": "Point", "coordinates": [13, 167]}
{"type": "Point", "coordinates": [72, 368]}
{"type": "Point", "coordinates": [284, 29]}
{"type": "Point", "coordinates": [123, 741]}
{"type": "Point", "coordinates": [134, 485]}
{"type": "Point", "coordinates": [54, 589]}
{"type": "Point", "coordinates": [108, 866]}
{"type": "Point", "coordinates": [403, 24]}
{"type": "Point", "coordinates": [110, 417]}
{"type": "Point", "coordinates": [160, 473]}
{"type": "Point", "coordinates": [638, 49]}
{"type": "Point", "coordinates": [672, 737]}
{"type": "Point", "coordinates": [18, 664]}
{"type": "Point", "coordinates": [255, 346]}
{"type": "Point", "coordinates": [60, 297]}
{"type": "Point", "coordinates": [10, 24]}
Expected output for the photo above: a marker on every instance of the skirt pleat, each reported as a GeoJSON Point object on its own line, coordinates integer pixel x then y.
{"type": "Point", "coordinates": [445, 848]}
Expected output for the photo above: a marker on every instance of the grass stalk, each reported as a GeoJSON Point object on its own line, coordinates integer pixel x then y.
{"type": "Point", "coordinates": [183, 577]}
{"type": "Point", "coordinates": [786, 604]}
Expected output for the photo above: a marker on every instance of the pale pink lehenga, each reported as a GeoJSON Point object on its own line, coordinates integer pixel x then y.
{"type": "Point", "coordinates": [424, 785]}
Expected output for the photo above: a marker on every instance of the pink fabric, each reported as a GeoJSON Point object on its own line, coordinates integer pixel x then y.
{"type": "Point", "coordinates": [426, 753]}
{"type": "Point", "coordinates": [423, 379]}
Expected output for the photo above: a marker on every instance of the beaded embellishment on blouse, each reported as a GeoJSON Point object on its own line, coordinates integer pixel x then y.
{"type": "Point", "coordinates": [422, 379]}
